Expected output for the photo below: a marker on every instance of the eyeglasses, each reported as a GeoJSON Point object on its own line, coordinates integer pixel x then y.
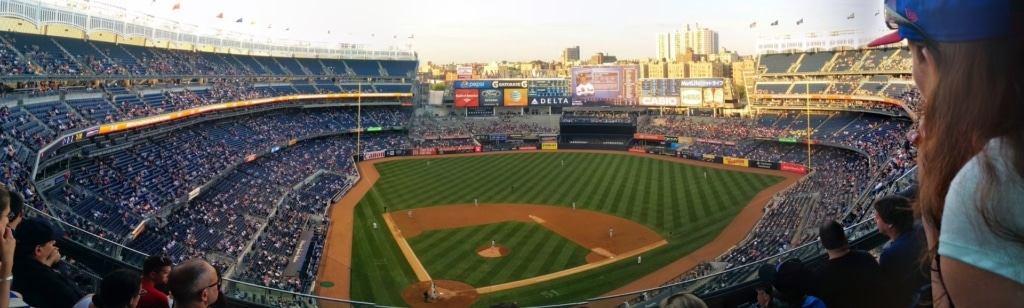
{"type": "Point", "coordinates": [894, 21]}
{"type": "Point", "coordinates": [217, 284]}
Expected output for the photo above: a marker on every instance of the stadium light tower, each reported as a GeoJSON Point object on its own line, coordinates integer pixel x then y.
{"type": "Point", "coordinates": [359, 120]}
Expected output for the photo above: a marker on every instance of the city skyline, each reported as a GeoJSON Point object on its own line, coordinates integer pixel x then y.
{"type": "Point", "coordinates": [460, 31]}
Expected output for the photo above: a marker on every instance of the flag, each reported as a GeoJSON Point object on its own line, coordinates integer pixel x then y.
{"type": "Point", "coordinates": [239, 20]}
{"type": "Point", "coordinates": [850, 17]}
{"type": "Point", "coordinates": [221, 15]}
{"type": "Point", "coordinates": [753, 24]}
{"type": "Point", "coordinates": [176, 6]}
{"type": "Point", "coordinates": [396, 36]}
{"type": "Point", "coordinates": [410, 35]}
{"type": "Point", "coordinates": [268, 26]}
{"type": "Point", "coordinates": [328, 31]}
{"type": "Point", "coordinates": [289, 28]}
{"type": "Point", "coordinates": [775, 23]}
{"type": "Point", "coordinates": [799, 22]}
{"type": "Point", "coordinates": [253, 23]}
{"type": "Point", "coordinates": [878, 12]}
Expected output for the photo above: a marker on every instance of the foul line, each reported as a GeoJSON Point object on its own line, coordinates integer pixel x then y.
{"type": "Point", "coordinates": [567, 272]}
{"type": "Point", "coordinates": [414, 262]}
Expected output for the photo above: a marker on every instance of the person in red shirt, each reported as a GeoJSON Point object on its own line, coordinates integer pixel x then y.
{"type": "Point", "coordinates": [154, 273]}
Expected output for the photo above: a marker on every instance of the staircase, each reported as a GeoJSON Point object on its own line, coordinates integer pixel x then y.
{"type": "Point", "coordinates": [86, 67]}
{"type": "Point", "coordinates": [381, 70]}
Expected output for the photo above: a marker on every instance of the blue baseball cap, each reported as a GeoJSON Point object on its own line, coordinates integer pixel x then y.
{"type": "Point", "coordinates": [950, 20]}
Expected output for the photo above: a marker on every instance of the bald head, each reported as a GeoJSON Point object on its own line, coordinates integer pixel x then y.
{"type": "Point", "coordinates": [191, 281]}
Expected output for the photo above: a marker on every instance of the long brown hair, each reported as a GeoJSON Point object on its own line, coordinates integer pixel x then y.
{"type": "Point", "coordinates": [976, 96]}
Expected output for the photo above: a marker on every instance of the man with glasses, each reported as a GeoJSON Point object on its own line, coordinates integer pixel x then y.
{"type": "Point", "coordinates": [155, 270]}
{"type": "Point", "coordinates": [194, 284]}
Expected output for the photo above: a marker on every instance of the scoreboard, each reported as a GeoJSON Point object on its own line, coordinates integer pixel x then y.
{"type": "Point", "coordinates": [659, 87]}
{"type": "Point", "coordinates": [549, 88]}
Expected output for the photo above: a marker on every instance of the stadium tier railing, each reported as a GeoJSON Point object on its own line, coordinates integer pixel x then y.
{"type": "Point", "coordinates": [247, 293]}
{"type": "Point", "coordinates": [735, 276]}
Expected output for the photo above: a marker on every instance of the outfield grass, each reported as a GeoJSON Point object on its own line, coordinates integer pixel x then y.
{"type": "Point", "coordinates": [663, 195]}
{"type": "Point", "coordinates": [533, 251]}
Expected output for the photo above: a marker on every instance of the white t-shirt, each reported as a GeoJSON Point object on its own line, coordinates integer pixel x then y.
{"type": "Point", "coordinates": [965, 236]}
{"type": "Point", "coordinates": [585, 89]}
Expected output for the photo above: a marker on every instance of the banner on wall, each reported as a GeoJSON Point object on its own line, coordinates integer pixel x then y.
{"type": "Point", "coordinates": [548, 146]}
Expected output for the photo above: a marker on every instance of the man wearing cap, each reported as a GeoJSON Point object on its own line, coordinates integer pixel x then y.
{"type": "Point", "coordinates": [786, 285]}
{"type": "Point", "coordinates": [36, 252]}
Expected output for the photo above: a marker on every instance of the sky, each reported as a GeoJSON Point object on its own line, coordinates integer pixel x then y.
{"type": "Point", "coordinates": [460, 31]}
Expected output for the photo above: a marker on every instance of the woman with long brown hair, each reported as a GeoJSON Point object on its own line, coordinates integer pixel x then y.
{"type": "Point", "coordinates": [969, 64]}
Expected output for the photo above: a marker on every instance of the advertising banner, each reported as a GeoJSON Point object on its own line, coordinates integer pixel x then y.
{"type": "Point", "coordinates": [464, 72]}
{"type": "Point", "coordinates": [702, 83]}
{"type": "Point", "coordinates": [691, 97]}
{"type": "Point", "coordinates": [551, 101]}
{"type": "Point", "coordinates": [733, 161]}
{"type": "Point", "coordinates": [605, 86]}
{"type": "Point", "coordinates": [764, 165]}
{"type": "Point", "coordinates": [708, 158]}
{"type": "Point", "coordinates": [458, 149]}
{"type": "Point", "coordinates": [516, 97]}
{"type": "Point", "coordinates": [529, 147]}
{"type": "Point", "coordinates": [424, 151]}
{"type": "Point", "coordinates": [675, 146]}
{"type": "Point", "coordinates": [467, 98]}
{"type": "Point", "coordinates": [648, 137]}
{"type": "Point", "coordinates": [670, 101]}
{"type": "Point", "coordinates": [638, 150]}
{"type": "Point", "coordinates": [473, 84]}
{"type": "Point", "coordinates": [548, 146]}
{"type": "Point", "coordinates": [503, 84]}
{"type": "Point", "coordinates": [794, 168]}
{"type": "Point", "coordinates": [490, 97]}
{"type": "Point", "coordinates": [374, 155]}
{"type": "Point", "coordinates": [671, 139]}
{"type": "Point", "coordinates": [686, 141]}
{"type": "Point", "coordinates": [709, 97]}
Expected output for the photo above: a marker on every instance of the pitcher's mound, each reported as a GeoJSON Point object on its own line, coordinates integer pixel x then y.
{"type": "Point", "coordinates": [496, 251]}
{"type": "Point", "coordinates": [449, 294]}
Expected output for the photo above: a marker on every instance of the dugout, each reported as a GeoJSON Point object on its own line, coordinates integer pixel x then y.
{"type": "Point", "coordinates": [507, 142]}
{"type": "Point", "coordinates": [597, 128]}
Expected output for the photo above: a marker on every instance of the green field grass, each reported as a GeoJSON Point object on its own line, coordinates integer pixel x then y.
{"type": "Point", "coordinates": [533, 250]}
{"type": "Point", "coordinates": [666, 196]}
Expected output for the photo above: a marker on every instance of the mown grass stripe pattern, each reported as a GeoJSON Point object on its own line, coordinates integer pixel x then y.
{"type": "Point", "coordinates": [666, 196]}
{"type": "Point", "coordinates": [534, 250]}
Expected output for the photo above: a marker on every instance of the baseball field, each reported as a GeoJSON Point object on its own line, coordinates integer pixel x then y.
{"type": "Point", "coordinates": [503, 228]}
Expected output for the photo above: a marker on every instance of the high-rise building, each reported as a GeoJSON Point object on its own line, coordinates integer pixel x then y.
{"type": "Point", "coordinates": [703, 41]}
{"type": "Point", "coordinates": [571, 54]}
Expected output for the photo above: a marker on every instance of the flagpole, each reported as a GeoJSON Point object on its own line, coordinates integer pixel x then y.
{"type": "Point", "coordinates": [807, 86]}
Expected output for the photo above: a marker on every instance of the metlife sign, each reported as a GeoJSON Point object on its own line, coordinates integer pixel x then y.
{"type": "Point", "coordinates": [551, 101]}
{"type": "Point", "coordinates": [702, 83]}
{"type": "Point", "coordinates": [672, 101]}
